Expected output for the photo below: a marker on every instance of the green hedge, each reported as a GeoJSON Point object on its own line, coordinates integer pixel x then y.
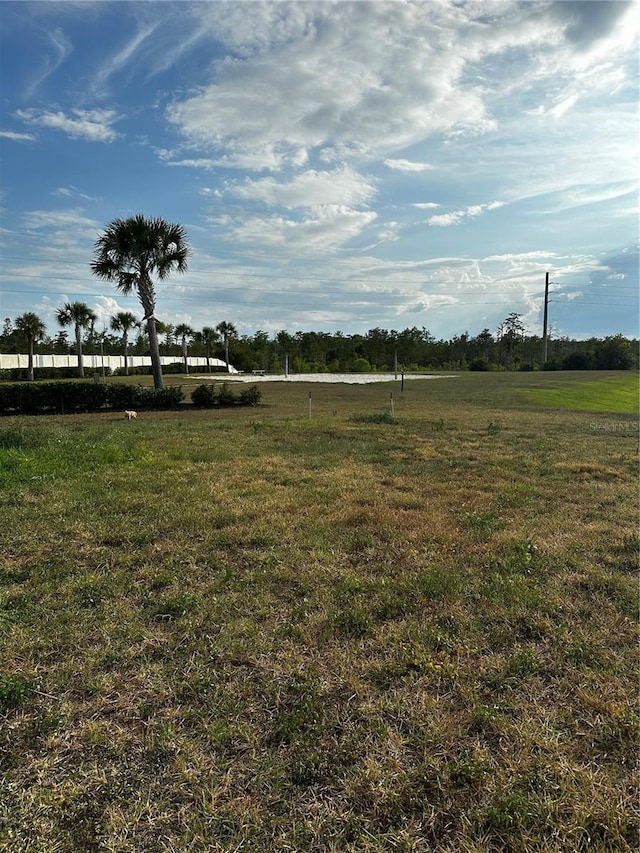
{"type": "Point", "coordinates": [21, 374]}
{"type": "Point", "coordinates": [209, 396]}
{"type": "Point", "coordinates": [33, 398]}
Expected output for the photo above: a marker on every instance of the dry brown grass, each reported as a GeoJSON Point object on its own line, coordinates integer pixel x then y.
{"type": "Point", "coordinates": [255, 631]}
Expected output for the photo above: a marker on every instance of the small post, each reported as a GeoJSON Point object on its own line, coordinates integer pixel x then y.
{"type": "Point", "coordinates": [309, 405]}
{"type": "Point", "coordinates": [392, 412]}
{"type": "Point", "coordinates": [395, 364]}
{"type": "Point", "coordinates": [545, 337]}
{"type": "Point", "coordinates": [402, 382]}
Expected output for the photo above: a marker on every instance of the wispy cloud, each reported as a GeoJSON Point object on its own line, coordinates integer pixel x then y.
{"type": "Point", "coordinates": [92, 125]}
{"type": "Point", "coordinates": [408, 166]}
{"type": "Point", "coordinates": [324, 229]}
{"type": "Point", "coordinates": [61, 48]}
{"type": "Point", "coordinates": [73, 192]}
{"type": "Point", "coordinates": [62, 228]}
{"type": "Point", "coordinates": [17, 137]}
{"type": "Point", "coordinates": [123, 57]}
{"type": "Point", "coordinates": [443, 220]}
{"type": "Point", "coordinates": [311, 188]}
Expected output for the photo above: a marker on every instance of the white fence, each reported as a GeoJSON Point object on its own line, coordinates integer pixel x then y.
{"type": "Point", "coordinates": [94, 363]}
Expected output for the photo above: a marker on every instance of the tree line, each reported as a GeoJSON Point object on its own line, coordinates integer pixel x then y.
{"type": "Point", "coordinates": [310, 352]}
{"type": "Point", "coordinates": [132, 252]}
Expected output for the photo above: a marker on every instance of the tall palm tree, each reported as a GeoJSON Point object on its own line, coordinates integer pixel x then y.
{"type": "Point", "coordinates": [31, 328]}
{"type": "Point", "coordinates": [123, 322]}
{"type": "Point", "coordinates": [132, 250]}
{"type": "Point", "coordinates": [227, 331]}
{"type": "Point", "coordinates": [80, 316]}
{"type": "Point", "coordinates": [185, 333]}
{"type": "Point", "coordinates": [207, 337]}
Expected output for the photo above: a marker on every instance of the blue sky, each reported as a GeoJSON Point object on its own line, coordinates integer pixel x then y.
{"type": "Point", "coordinates": [337, 166]}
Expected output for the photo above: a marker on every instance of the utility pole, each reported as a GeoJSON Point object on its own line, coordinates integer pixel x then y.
{"type": "Point", "coordinates": [544, 322]}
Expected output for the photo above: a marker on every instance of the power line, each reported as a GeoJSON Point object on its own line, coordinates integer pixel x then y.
{"type": "Point", "coordinates": [289, 298]}
{"type": "Point", "coordinates": [278, 275]}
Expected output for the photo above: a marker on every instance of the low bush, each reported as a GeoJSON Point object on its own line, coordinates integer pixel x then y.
{"type": "Point", "coordinates": [250, 396]}
{"type": "Point", "coordinates": [210, 396]}
{"type": "Point", "coordinates": [33, 398]}
{"type": "Point", "coordinates": [20, 374]}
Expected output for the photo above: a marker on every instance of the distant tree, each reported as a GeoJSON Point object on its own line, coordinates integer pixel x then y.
{"type": "Point", "coordinates": [80, 316]}
{"type": "Point", "coordinates": [123, 322]}
{"type": "Point", "coordinates": [60, 343]}
{"type": "Point", "coordinates": [185, 334]}
{"type": "Point", "coordinates": [615, 353]}
{"type": "Point", "coordinates": [8, 337]}
{"type": "Point", "coordinates": [227, 332]}
{"type": "Point", "coordinates": [132, 250]}
{"type": "Point", "coordinates": [207, 337]}
{"type": "Point", "coordinates": [510, 334]}
{"type": "Point", "coordinates": [167, 330]}
{"type": "Point", "coordinates": [483, 345]}
{"type": "Point", "coordinates": [32, 330]}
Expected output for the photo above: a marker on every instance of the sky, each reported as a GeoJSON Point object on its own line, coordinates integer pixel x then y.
{"type": "Point", "coordinates": [337, 166]}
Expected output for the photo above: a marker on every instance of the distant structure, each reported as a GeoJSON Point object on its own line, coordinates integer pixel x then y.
{"type": "Point", "coordinates": [95, 363]}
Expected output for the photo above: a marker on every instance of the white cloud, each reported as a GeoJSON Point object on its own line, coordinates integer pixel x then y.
{"type": "Point", "coordinates": [375, 76]}
{"type": "Point", "coordinates": [17, 137]}
{"type": "Point", "coordinates": [408, 166]}
{"type": "Point", "coordinates": [92, 125]}
{"type": "Point", "coordinates": [120, 60]}
{"type": "Point", "coordinates": [62, 229]}
{"type": "Point", "coordinates": [105, 308]}
{"type": "Point", "coordinates": [73, 192]}
{"type": "Point", "coordinates": [323, 229]}
{"type": "Point", "coordinates": [425, 205]}
{"type": "Point", "coordinates": [443, 220]}
{"type": "Point", "coordinates": [61, 48]}
{"type": "Point", "coordinates": [309, 189]}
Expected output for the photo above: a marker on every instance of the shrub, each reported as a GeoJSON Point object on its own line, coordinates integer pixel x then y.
{"type": "Point", "coordinates": [33, 398]}
{"type": "Point", "coordinates": [160, 398]}
{"type": "Point", "coordinates": [226, 396]}
{"type": "Point", "coordinates": [208, 396]}
{"type": "Point", "coordinates": [204, 396]}
{"type": "Point", "coordinates": [250, 396]}
{"type": "Point", "coordinates": [124, 396]}
{"type": "Point", "coordinates": [578, 361]}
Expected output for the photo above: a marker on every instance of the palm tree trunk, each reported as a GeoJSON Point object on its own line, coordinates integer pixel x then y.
{"type": "Point", "coordinates": [126, 354]}
{"type": "Point", "coordinates": [185, 357]}
{"type": "Point", "coordinates": [154, 351]}
{"type": "Point", "coordinates": [79, 351]}
{"type": "Point", "coordinates": [148, 301]}
{"type": "Point", "coordinates": [226, 352]}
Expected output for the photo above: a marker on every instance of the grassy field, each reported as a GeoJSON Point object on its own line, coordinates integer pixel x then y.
{"type": "Point", "coordinates": [256, 630]}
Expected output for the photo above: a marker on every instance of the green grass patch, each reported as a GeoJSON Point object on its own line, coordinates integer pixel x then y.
{"type": "Point", "coordinates": [617, 393]}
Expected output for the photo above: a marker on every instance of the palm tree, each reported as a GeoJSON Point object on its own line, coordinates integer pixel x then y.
{"type": "Point", "coordinates": [132, 250]}
{"type": "Point", "coordinates": [185, 333]}
{"type": "Point", "coordinates": [80, 316]}
{"type": "Point", "coordinates": [207, 337]}
{"type": "Point", "coordinates": [227, 331]}
{"type": "Point", "coordinates": [167, 330]}
{"type": "Point", "coordinates": [123, 322]}
{"type": "Point", "coordinates": [30, 327]}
